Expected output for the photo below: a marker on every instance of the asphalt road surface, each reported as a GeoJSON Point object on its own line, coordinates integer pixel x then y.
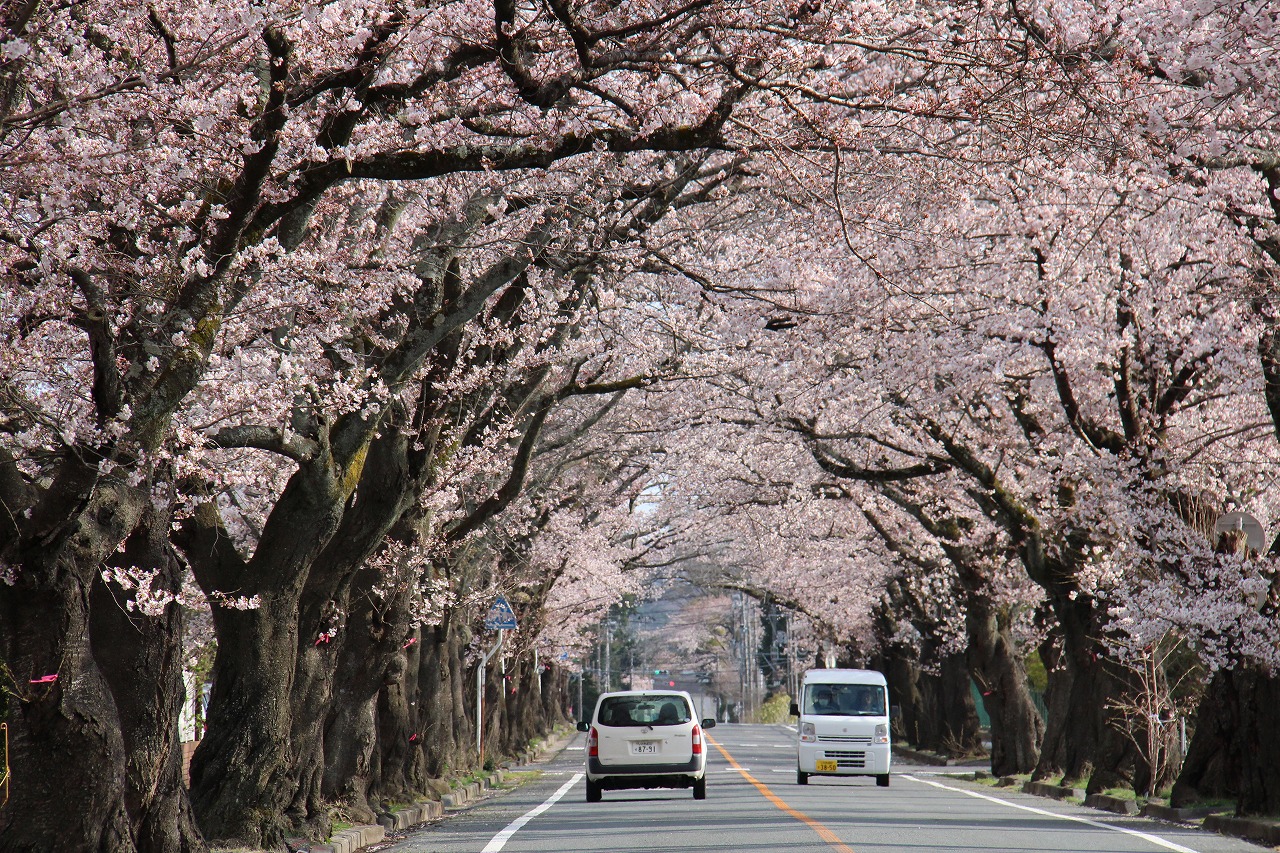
{"type": "Point", "coordinates": [754, 805]}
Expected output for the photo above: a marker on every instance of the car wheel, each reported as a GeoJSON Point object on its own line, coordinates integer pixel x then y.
{"type": "Point", "coordinates": [883, 780]}
{"type": "Point", "coordinates": [700, 788]}
{"type": "Point", "coordinates": [593, 791]}
{"type": "Point", "coordinates": [802, 778]}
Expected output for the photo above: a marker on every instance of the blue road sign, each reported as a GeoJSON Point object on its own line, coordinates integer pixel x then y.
{"type": "Point", "coordinates": [500, 615]}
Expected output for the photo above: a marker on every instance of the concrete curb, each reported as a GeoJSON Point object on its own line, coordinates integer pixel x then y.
{"type": "Point", "coordinates": [1243, 827]}
{"type": "Point", "coordinates": [1056, 792]}
{"type": "Point", "coordinates": [1156, 811]}
{"type": "Point", "coordinates": [922, 757]}
{"type": "Point", "coordinates": [1250, 829]}
{"type": "Point", "coordinates": [351, 840]}
{"type": "Point", "coordinates": [1108, 803]}
{"type": "Point", "coordinates": [412, 815]}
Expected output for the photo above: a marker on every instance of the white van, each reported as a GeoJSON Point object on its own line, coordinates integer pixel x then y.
{"type": "Point", "coordinates": [844, 725]}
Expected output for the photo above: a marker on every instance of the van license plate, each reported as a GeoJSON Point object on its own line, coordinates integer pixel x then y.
{"type": "Point", "coordinates": [825, 766]}
{"type": "Point", "coordinates": [649, 749]}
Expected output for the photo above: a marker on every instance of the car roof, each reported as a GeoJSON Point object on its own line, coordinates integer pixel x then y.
{"type": "Point", "coordinates": [683, 693]}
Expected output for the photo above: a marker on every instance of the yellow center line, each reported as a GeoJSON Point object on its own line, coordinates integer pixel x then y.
{"type": "Point", "coordinates": [823, 833]}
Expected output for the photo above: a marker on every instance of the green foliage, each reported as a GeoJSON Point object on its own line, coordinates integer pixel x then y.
{"type": "Point", "coordinates": [775, 709]}
{"type": "Point", "coordinates": [1037, 676]}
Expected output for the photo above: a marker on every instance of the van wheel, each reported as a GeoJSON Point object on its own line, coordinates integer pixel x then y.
{"type": "Point", "coordinates": [593, 791]}
{"type": "Point", "coordinates": [700, 788]}
{"type": "Point", "coordinates": [883, 780]}
{"type": "Point", "coordinates": [802, 778]}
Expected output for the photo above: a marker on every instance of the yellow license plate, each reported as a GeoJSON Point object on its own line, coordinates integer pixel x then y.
{"type": "Point", "coordinates": [825, 766]}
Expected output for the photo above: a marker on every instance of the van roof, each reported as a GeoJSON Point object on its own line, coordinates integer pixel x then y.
{"type": "Point", "coordinates": [844, 676]}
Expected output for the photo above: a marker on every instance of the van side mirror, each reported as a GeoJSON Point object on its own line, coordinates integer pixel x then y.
{"type": "Point", "coordinates": [584, 726]}
{"type": "Point", "coordinates": [895, 712]}
{"type": "Point", "coordinates": [709, 723]}
{"type": "Point", "coordinates": [795, 709]}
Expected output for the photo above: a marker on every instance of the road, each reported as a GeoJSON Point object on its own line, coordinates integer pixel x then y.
{"type": "Point", "coordinates": [754, 804]}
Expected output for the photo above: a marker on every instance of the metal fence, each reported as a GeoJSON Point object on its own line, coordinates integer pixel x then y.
{"type": "Point", "coordinates": [984, 719]}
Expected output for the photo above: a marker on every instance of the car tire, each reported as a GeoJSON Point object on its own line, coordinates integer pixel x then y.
{"type": "Point", "coordinates": [593, 791]}
{"type": "Point", "coordinates": [802, 778]}
{"type": "Point", "coordinates": [700, 788]}
{"type": "Point", "coordinates": [882, 780]}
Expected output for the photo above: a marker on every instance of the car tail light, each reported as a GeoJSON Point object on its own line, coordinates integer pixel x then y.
{"type": "Point", "coordinates": [593, 742]}
{"type": "Point", "coordinates": [697, 740]}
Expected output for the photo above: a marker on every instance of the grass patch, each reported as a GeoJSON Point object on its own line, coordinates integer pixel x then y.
{"type": "Point", "coordinates": [515, 778]}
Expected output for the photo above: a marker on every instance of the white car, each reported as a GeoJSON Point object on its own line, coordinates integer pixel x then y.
{"type": "Point", "coordinates": [645, 739]}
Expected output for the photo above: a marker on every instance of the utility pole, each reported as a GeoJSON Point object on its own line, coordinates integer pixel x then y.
{"type": "Point", "coordinates": [608, 655]}
{"type": "Point", "coordinates": [746, 661]}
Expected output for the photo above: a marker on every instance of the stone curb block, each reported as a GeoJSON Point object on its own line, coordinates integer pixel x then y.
{"type": "Point", "coordinates": [411, 815]}
{"type": "Point", "coordinates": [1108, 803]}
{"type": "Point", "coordinates": [1057, 792]}
{"type": "Point", "coordinates": [351, 840]}
{"type": "Point", "coordinates": [1243, 827]}
{"type": "Point", "coordinates": [1168, 813]}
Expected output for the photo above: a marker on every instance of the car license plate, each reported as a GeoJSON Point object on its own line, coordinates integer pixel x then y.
{"type": "Point", "coordinates": [647, 748]}
{"type": "Point", "coordinates": [825, 766]}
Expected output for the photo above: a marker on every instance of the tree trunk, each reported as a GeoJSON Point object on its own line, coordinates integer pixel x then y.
{"type": "Point", "coordinates": [350, 741]}
{"type": "Point", "coordinates": [65, 743]}
{"type": "Point", "coordinates": [1083, 737]}
{"type": "Point", "coordinates": [386, 491]}
{"type": "Point", "coordinates": [1236, 746]}
{"type": "Point", "coordinates": [903, 675]}
{"type": "Point", "coordinates": [241, 774]}
{"type": "Point", "coordinates": [435, 700]}
{"type": "Point", "coordinates": [141, 658]}
{"type": "Point", "coordinates": [67, 749]}
{"type": "Point", "coordinates": [997, 669]}
{"type": "Point", "coordinates": [394, 730]}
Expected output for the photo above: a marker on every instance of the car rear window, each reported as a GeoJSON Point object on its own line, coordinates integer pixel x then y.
{"type": "Point", "coordinates": [644, 711]}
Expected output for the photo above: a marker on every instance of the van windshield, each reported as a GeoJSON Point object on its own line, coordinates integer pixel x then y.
{"type": "Point", "coordinates": [844, 700]}
{"type": "Point", "coordinates": [657, 710]}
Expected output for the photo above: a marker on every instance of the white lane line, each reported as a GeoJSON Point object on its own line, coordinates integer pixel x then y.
{"type": "Point", "coordinates": [1159, 842]}
{"type": "Point", "coordinates": [500, 840]}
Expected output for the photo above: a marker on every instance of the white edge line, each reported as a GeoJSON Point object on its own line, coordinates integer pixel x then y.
{"type": "Point", "coordinates": [1159, 842]}
{"type": "Point", "coordinates": [500, 840]}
